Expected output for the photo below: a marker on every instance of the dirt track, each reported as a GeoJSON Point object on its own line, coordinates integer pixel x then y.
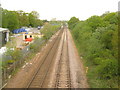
{"type": "Point", "coordinates": [57, 65]}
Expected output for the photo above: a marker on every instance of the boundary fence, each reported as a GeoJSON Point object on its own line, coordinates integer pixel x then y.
{"type": "Point", "coordinates": [26, 51]}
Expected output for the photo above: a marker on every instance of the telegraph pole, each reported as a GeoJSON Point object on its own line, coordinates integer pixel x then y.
{"type": "Point", "coordinates": [0, 15]}
{"type": "Point", "coordinates": [0, 42]}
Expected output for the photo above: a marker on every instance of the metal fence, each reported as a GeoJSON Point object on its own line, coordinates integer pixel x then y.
{"type": "Point", "coordinates": [8, 71]}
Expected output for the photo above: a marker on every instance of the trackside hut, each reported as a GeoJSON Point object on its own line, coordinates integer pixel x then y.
{"type": "Point", "coordinates": [4, 36]}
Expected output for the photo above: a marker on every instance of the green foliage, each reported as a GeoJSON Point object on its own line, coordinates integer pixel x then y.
{"type": "Point", "coordinates": [114, 43]}
{"type": "Point", "coordinates": [5, 14]}
{"type": "Point", "coordinates": [108, 68]}
{"type": "Point", "coordinates": [33, 19]}
{"type": "Point", "coordinates": [15, 54]}
{"type": "Point", "coordinates": [23, 18]}
{"type": "Point", "coordinates": [72, 22]}
{"type": "Point", "coordinates": [11, 43]}
{"type": "Point", "coordinates": [35, 46]}
{"type": "Point", "coordinates": [13, 22]}
{"type": "Point", "coordinates": [112, 18]}
{"type": "Point", "coordinates": [16, 19]}
{"type": "Point", "coordinates": [10, 61]}
{"type": "Point", "coordinates": [94, 22]}
{"type": "Point", "coordinates": [97, 41]}
{"type": "Point", "coordinates": [49, 30]}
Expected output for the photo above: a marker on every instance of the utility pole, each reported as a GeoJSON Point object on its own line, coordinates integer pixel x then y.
{"type": "Point", "coordinates": [0, 15]}
{"type": "Point", "coordinates": [0, 42]}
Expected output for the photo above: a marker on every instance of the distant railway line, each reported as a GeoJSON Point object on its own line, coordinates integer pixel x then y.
{"type": "Point", "coordinates": [38, 78]}
{"type": "Point", "coordinates": [62, 78]}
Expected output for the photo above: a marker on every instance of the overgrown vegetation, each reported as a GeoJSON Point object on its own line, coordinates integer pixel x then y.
{"type": "Point", "coordinates": [97, 41]}
{"type": "Point", "coordinates": [15, 55]}
{"type": "Point", "coordinates": [35, 47]}
{"type": "Point", "coordinates": [17, 58]}
{"type": "Point", "coordinates": [49, 30]}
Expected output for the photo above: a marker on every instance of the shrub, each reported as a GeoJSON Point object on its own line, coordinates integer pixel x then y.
{"type": "Point", "coordinates": [108, 68]}
{"type": "Point", "coordinates": [10, 61]}
{"type": "Point", "coordinates": [15, 54]}
{"type": "Point", "coordinates": [49, 30]}
{"type": "Point", "coordinates": [97, 41]}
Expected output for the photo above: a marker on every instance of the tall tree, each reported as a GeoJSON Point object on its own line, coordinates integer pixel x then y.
{"type": "Point", "coordinates": [5, 18]}
{"type": "Point", "coordinates": [72, 22]}
{"type": "Point", "coordinates": [13, 21]}
{"type": "Point", "coordinates": [23, 18]}
{"type": "Point", "coordinates": [33, 17]}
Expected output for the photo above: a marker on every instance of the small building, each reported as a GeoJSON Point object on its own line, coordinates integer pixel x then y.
{"type": "Point", "coordinates": [31, 35]}
{"type": "Point", "coordinates": [4, 36]}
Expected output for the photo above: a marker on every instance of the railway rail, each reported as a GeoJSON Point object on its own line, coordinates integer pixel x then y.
{"type": "Point", "coordinates": [63, 77]}
{"type": "Point", "coordinates": [38, 78]}
{"type": "Point", "coordinates": [56, 66]}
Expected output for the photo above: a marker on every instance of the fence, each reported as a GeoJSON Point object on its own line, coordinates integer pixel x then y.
{"type": "Point", "coordinates": [8, 71]}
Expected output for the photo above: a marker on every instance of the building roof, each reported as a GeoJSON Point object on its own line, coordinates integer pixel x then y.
{"type": "Point", "coordinates": [16, 31]}
{"type": "Point", "coordinates": [4, 29]}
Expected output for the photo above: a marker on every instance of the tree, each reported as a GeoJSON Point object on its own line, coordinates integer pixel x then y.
{"type": "Point", "coordinates": [16, 19]}
{"type": "Point", "coordinates": [49, 30]}
{"type": "Point", "coordinates": [112, 18]}
{"type": "Point", "coordinates": [23, 18]}
{"type": "Point", "coordinates": [97, 42]}
{"type": "Point", "coordinates": [33, 18]}
{"type": "Point", "coordinates": [39, 22]}
{"type": "Point", "coordinates": [94, 22]}
{"type": "Point", "coordinates": [44, 21]}
{"type": "Point", "coordinates": [72, 22]}
{"type": "Point", "coordinates": [10, 20]}
{"type": "Point", "coordinates": [5, 18]}
{"type": "Point", "coordinates": [13, 21]}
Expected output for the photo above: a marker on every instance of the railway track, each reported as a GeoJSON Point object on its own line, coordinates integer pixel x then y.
{"type": "Point", "coordinates": [38, 79]}
{"type": "Point", "coordinates": [63, 79]}
{"type": "Point", "coordinates": [55, 66]}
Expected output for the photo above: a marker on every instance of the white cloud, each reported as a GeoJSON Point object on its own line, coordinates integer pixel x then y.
{"type": "Point", "coordinates": [63, 9]}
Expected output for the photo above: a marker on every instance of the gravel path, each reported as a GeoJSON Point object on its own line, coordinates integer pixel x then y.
{"type": "Point", "coordinates": [77, 69]}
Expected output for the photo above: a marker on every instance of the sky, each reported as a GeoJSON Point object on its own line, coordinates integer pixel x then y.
{"type": "Point", "coordinates": [62, 9]}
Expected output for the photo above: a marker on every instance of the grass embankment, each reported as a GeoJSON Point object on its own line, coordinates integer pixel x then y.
{"type": "Point", "coordinates": [97, 41]}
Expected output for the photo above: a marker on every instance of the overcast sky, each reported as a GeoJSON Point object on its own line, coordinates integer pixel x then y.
{"type": "Point", "coordinates": [63, 9]}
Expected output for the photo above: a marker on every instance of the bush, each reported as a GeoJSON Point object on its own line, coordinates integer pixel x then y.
{"type": "Point", "coordinates": [49, 30]}
{"type": "Point", "coordinates": [73, 22]}
{"type": "Point", "coordinates": [97, 41]}
{"type": "Point", "coordinates": [108, 69]}
{"type": "Point", "coordinates": [14, 54]}
{"type": "Point", "coordinates": [10, 61]}
{"type": "Point", "coordinates": [35, 46]}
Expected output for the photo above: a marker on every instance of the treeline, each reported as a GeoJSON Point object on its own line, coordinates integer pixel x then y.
{"type": "Point", "coordinates": [97, 41]}
{"type": "Point", "coordinates": [17, 19]}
